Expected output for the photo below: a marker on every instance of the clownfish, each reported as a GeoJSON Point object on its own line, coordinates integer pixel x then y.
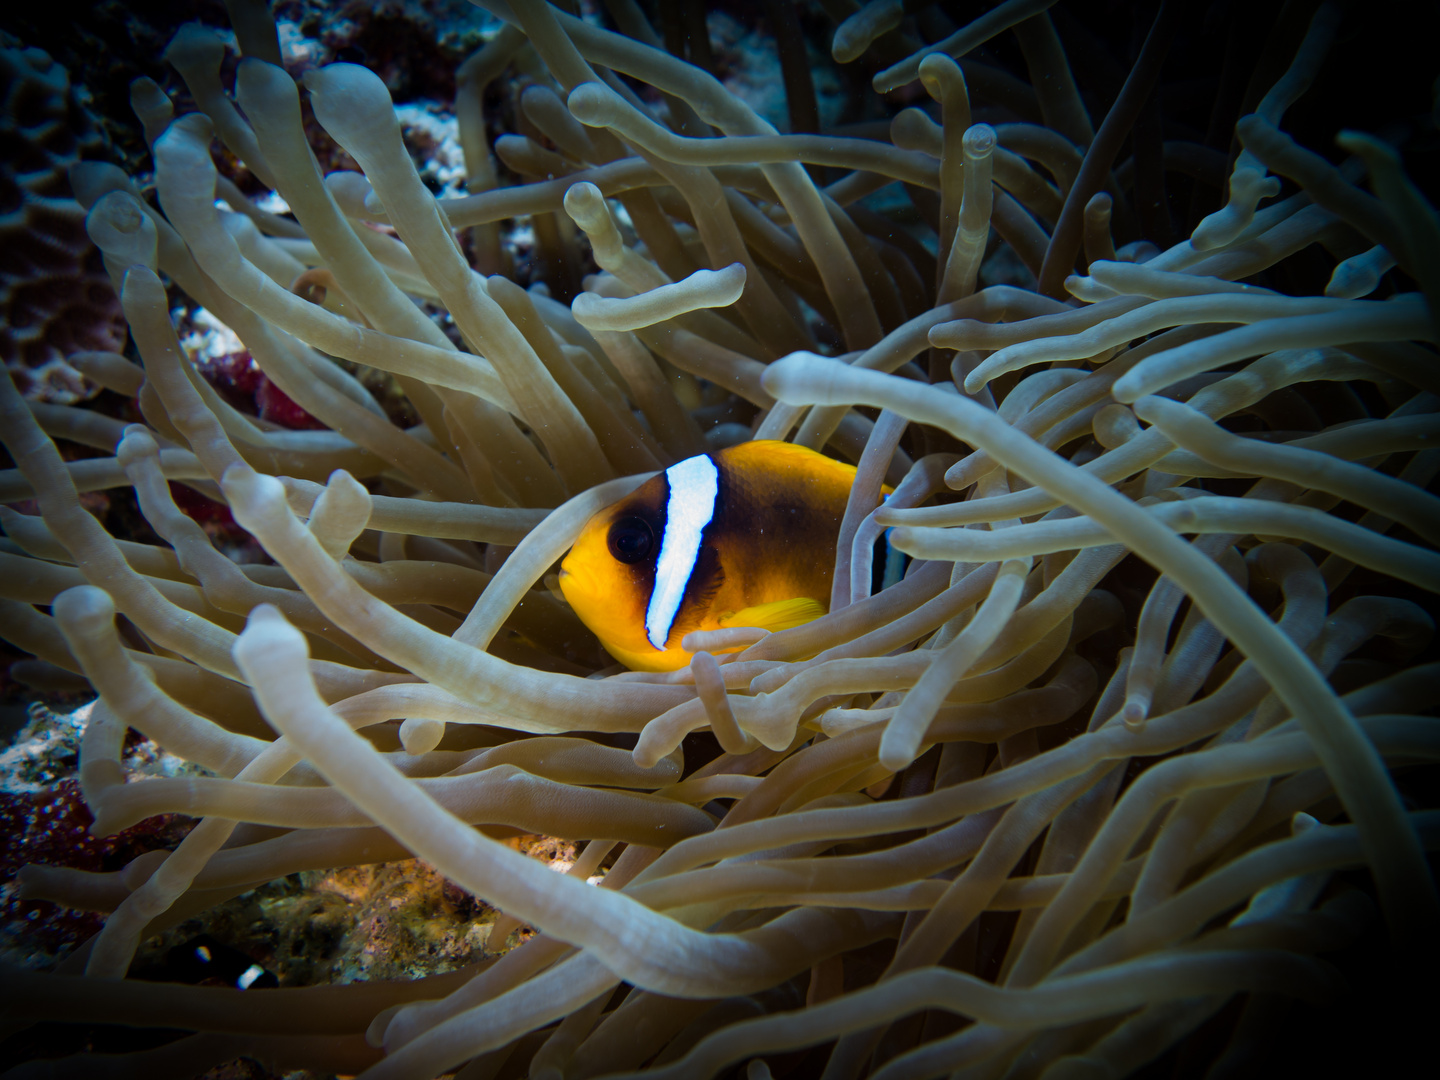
{"type": "Point", "coordinates": [740, 537]}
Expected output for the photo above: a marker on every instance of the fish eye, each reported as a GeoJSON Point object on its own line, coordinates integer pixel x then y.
{"type": "Point", "coordinates": [631, 539]}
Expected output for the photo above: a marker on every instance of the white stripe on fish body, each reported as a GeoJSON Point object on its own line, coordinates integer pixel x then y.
{"type": "Point", "coordinates": [694, 487]}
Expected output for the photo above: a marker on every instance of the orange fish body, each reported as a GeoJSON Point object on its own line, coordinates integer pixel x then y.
{"type": "Point", "coordinates": [740, 537]}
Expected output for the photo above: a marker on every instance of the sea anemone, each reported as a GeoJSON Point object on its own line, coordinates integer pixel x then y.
{"type": "Point", "coordinates": [1114, 759]}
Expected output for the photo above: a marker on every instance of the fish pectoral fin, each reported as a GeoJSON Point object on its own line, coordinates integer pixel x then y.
{"type": "Point", "coordinates": [779, 615]}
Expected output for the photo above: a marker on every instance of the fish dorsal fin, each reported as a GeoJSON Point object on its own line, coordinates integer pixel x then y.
{"type": "Point", "coordinates": [773, 453]}
{"type": "Point", "coordinates": [778, 615]}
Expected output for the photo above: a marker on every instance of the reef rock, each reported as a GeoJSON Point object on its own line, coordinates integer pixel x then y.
{"type": "Point", "coordinates": [55, 299]}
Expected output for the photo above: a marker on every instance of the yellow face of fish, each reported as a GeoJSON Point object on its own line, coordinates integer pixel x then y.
{"type": "Point", "coordinates": [742, 537]}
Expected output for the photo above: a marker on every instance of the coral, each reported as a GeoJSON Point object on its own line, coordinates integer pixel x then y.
{"type": "Point", "coordinates": [393, 921]}
{"type": "Point", "coordinates": [44, 819]}
{"type": "Point", "coordinates": [413, 45]}
{"type": "Point", "coordinates": [239, 378]}
{"type": "Point", "coordinates": [1131, 769]}
{"type": "Point", "coordinates": [55, 298]}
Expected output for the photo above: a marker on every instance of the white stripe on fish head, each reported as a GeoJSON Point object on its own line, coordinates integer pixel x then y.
{"type": "Point", "coordinates": [694, 487]}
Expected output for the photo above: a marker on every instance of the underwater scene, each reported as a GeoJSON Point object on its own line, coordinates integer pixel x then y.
{"type": "Point", "coordinates": [669, 539]}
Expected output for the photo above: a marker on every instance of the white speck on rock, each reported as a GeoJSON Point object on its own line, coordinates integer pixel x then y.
{"type": "Point", "coordinates": [211, 339]}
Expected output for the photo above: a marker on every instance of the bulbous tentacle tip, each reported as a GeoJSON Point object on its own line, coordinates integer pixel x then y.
{"type": "Point", "coordinates": [788, 378]}
{"type": "Point", "coordinates": [259, 83]}
{"type": "Point", "coordinates": [83, 606]}
{"type": "Point", "coordinates": [136, 443]}
{"type": "Point", "coordinates": [251, 495]}
{"type": "Point", "coordinates": [268, 641]}
{"type": "Point", "coordinates": [348, 98]}
{"type": "Point", "coordinates": [594, 104]}
{"type": "Point", "coordinates": [196, 46]}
